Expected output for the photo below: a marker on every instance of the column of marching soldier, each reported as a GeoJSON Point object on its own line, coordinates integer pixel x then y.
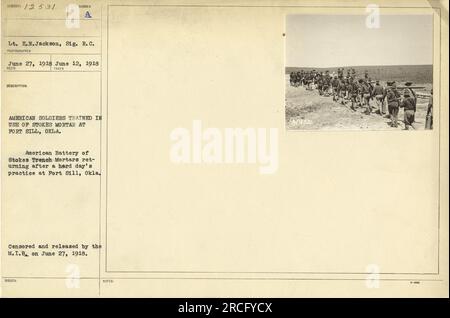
{"type": "Point", "coordinates": [359, 93]}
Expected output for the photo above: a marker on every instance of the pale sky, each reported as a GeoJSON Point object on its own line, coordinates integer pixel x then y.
{"type": "Point", "coordinates": [344, 40]}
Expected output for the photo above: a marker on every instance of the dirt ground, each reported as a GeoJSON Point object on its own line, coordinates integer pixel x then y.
{"type": "Point", "coordinates": [307, 110]}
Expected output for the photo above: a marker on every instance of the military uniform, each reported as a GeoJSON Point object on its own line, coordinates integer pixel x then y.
{"type": "Point", "coordinates": [348, 88]}
{"type": "Point", "coordinates": [298, 79]}
{"type": "Point", "coordinates": [429, 117]}
{"type": "Point", "coordinates": [342, 90]}
{"type": "Point", "coordinates": [366, 93]}
{"type": "Point", "coordinates": [409, 105]}
{"type": "Point", "coordinates": [410, 90]}
{"type": "Point", "coordinates": [393, 98]}
{"type": "Point", "coordinates": [335, 86]}
{"type": "Point", "coordinates": [354, 89]}
{"type": "Point", "coordinates": [320, 85]}
{"type": "Point", "coordinates": [378, 93]}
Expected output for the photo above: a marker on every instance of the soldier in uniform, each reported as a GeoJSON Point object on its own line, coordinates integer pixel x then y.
{"type": "Point", "coordinates": [335, 86]}
{"type": "Point", "coordinates": [361, 91]}
{"type": "Point", "coordinates": [378, 93]}
{"type": "Point", "coordinates": [309, 82]}
{"type": "Point", "coordinates": [297, 79]}
{"type": "Point", "coordinates": [343, 90]}
{"type": "Point", "coordinates": [348, 88]}
{"type": "Point", "coordinates": [409, 105]}
{"type": "Point", "coordinates": [326, 84]}
{"type": "Point", "coordinates": [429, 117]}
{"type": "Point", "coordinates": [320, 84]}
{"type": "Point", "coordinates": [393, 98]}
{"type": "Point", "coordinates": [412, 93]}
{"type": "Point", "coordinates": [366, 94]}
{"type": "Point", "coordinates": [353, 93]}
{"type": "Point", "coordinates": [337, 82]}
{"type": "Point", "coordinates": [292, 78]}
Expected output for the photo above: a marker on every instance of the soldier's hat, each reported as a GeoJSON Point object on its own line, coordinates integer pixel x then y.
{"type": "Point", "coordinates": [408, 83]}
{"type": "Point", "coordinates": [389, 83]}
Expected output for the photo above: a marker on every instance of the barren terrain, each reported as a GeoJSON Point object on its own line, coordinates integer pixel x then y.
{"type": "Point", "coordinates": [307, 110]}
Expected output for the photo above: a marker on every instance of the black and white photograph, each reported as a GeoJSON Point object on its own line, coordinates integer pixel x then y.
{"type": "Point", "coordinates": [345, 72]}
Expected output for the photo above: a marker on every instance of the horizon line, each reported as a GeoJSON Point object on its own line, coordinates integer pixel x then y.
{"type": "Point", "coordinates": [361, 65]}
